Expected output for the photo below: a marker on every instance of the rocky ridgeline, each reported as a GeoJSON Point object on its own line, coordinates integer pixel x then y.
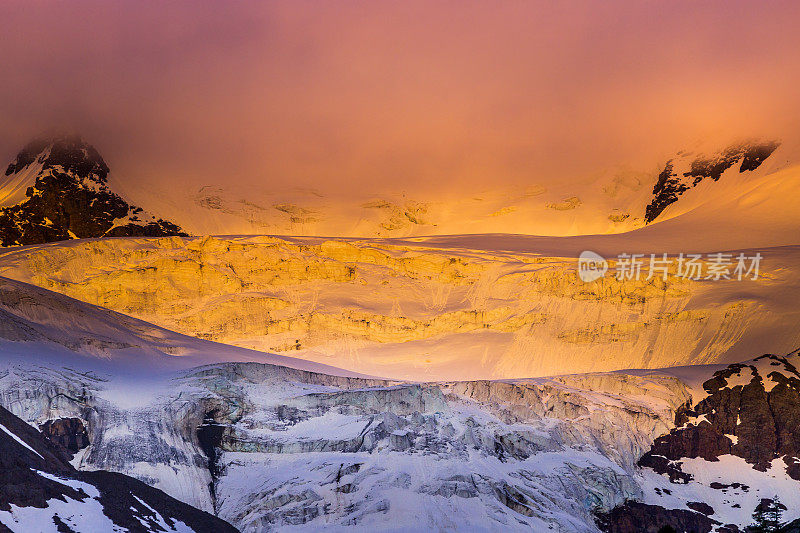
{"type": "Point", "coordinates": [672, 183]}
{"type": "Point", "coordinates": [752, 411]}
{"type": "Point", "coordinates": [69, 197]}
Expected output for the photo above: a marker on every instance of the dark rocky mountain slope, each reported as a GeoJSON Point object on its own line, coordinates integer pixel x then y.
{"type": "Point", "coordinates": [752, 412]}
{"type": "Point", "coordinates": [684, 173]}
{"type": "Point", "coordinates": [66, 196]}
{"type": "Point", "coordinates": [39, 486]}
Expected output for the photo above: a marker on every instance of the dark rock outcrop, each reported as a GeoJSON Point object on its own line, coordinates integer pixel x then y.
{"type": "Point", "coordinates": [752, 411]}
{"type": "Point", "coordinates": [19, 483]}
{"type": "Point", "coordinates": [209, 435]}
{"type": "Point", "coordinates": [636, 517]}
{"type": "Point", "coordinates": [666, 191]}
{"type": "Point", "coordinates": [71, 198]}
{"type": "Point", "coordinates": [701, 507]}
{"type": "Point", "coordinates": [69, 433]}
{"type": "Point", "coordinates": [791, 527]}
{"type": "Point", "coordinates": [762, 415]}
{"type": "Point", "coordinates": [34, 471]}
{"type": "Point", "coordinates": [670, 184]}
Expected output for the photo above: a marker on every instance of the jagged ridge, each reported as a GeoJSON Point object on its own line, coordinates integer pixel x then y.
{"type": "Point", "coordinates": [71, 198]}
{"type": "Point", "coordinates": [671, 184]}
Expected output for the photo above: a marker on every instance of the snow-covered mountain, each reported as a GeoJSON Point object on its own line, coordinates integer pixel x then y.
{"type": "Point", "coordinates": [74, 195]}
{"type": "Point", "coordinates": [272, 448]}
{"type": "Point", "coordinates": [155, 358]}
{"type": "Point", "coordinates": [703, 180]}
{"type": "Point", "coordinates": [57, 188]}
{"type": "Point", "coordinates": [46, 328]}
{"type": "Point", "coordinates": [40, 491]}
{"type": "Point", "coordinates": [688, 170]}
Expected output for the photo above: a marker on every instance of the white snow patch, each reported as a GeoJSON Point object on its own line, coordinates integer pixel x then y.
{"type": "Point", "coordinates": [179, 526]}
{"type": "Point", "coordinates": [694, 421]}
{"type": "Point", "coordinates": [12, 191]}
{"type": "Point", "coordinates": [743, 377]}
{"type": "Point", "coordinates": [88, 488]}
{"type": "Point", "coordinates": [732, 504]}
{"type": "Point", "coordinates": [81, 516]}
{"type": "Point", "coordinates": [19, 440]}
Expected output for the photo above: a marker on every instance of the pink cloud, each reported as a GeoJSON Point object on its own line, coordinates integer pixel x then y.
{"type": "Point", "coordinates": [421, 94]}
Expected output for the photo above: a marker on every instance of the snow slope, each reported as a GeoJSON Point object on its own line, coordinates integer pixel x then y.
{"type": "Point", "coordinates": [300, 451]}
{"type": "Point", "coordinates": [48, 328]}
{"type": "Point", "coordinates": [14, 186]}
{"type": "Point", "coordinates": [270, 448]}
{"type": "Point", "coordinates": [612, 201]}
{"type": "Point", "coordinates": [273, 448]}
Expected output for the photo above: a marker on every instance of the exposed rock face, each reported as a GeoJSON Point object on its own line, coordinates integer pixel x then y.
{"type": "Point", "coordinates": [68, 196]}
{"type": "Point", "coordinates": [209, 436]}
{"type": "Point", "coordinates": [69, 433]}
{"type": "Point", "coordinates": [672, 184]}
{"type": "Point", "coordinates": [38, 486]}
{"type": "Point", "coordinates": [791, 527]}
{"type": "Point", "coordinates": [737, 446]}
{"type": "Point", "coordinates": [70, 153]}
{"type": "Point", "coordinates": [635, 517]}
{"type": "Point", "coordinates": [752, 411]}
{"type": "Point", "coordinates": [667, 189]}
{"type": "Point", "coordinates": [19, 484]}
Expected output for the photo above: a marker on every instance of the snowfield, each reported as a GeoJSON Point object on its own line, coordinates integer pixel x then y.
{"type": "Point", "coordinates": [420, 373]}
{"type": "Point", "coordinates": [273, 448]}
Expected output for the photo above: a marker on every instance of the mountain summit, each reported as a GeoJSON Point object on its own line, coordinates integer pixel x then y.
{"type": "Point", "coordinates": [688, 169]}
{"type": "Point", "coordinates": [57, 188]}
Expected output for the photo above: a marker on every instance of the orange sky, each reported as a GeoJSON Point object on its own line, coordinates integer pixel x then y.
{"type": "Point", "coordinates": [348, 95]}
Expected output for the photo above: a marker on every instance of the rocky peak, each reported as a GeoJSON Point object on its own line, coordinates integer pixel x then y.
{"type": "Point", "coordinates": [68, 153]}
{"type": "Point", "coordinates": [751, 411]}
{"type": "Point", "coordinates": [688, 170]}
{"type": "Point", "coordinates": [67, 196]}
